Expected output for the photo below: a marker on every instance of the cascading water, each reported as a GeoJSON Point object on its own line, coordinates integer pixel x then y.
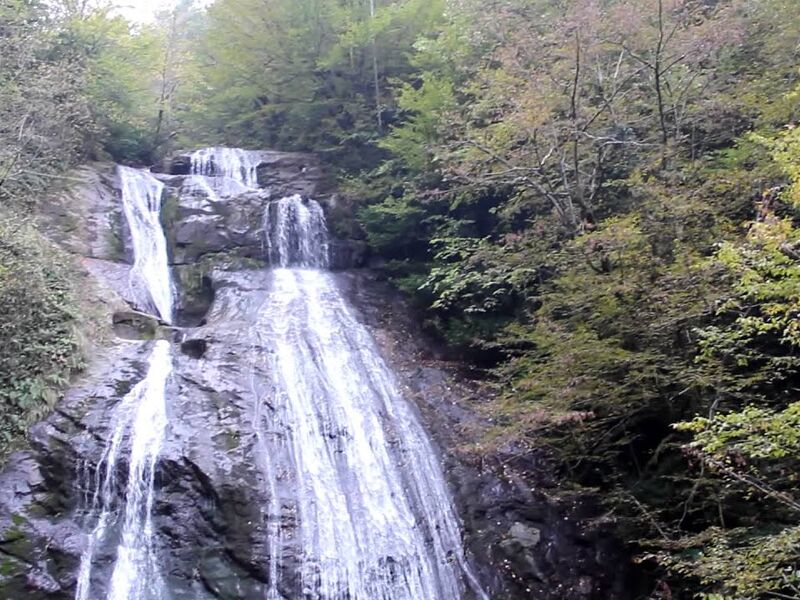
{"type": "Point", "coordinates": [357, 507]}
{"type": "Point", "coordinates": [141, 417]}
{"type": "Point", "coordinates": [375, 518]}
{"type": "Point", "coordinates": [125, 520]}
{"type": "Point", "coordinates": [151, 284]}
{"type": "Point", "coordinates": [227, 171]}
{"type": "Point", "coordinates": [295, 233]}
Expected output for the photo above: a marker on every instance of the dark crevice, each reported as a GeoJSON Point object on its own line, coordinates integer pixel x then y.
{"type": "Point", "coordinates": [194, 348]}
{"type": "Point", "coordinates": [195, 305]}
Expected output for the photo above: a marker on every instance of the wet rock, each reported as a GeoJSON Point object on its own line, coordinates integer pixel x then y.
{"type": "Point", "coordinates": [195, 294]}
{"type": "Point", "coordinates": [41, 581]}
{"type": "Point", "coordinates": [197, 228]}
{"type": "Point", "coordinates": [292, 173]}
{"type": "Point", "coordinates": [176, 165]}
{"type": "Point", "coordinates": [196, 235]}
{"type": "Point", "coordinates": [523, 535]}
{"type": "Point", "coordinates": [194, 348]}
{"type": "Point", "coordinates": [112, 275]}
{"type": "Point", "coordinates": [41, 537]}
{"type": "Point", "coordinates": [585, 586]}
{"type": "Point", "coordinates": [348, 254]}
{"type": "Point", "coordinates": [135, 325]}
{"type": "Point", "coordinates": [87, 218]}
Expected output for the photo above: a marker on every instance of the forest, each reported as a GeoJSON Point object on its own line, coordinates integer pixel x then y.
{"type": "Point", "coordinates": [594, 204]}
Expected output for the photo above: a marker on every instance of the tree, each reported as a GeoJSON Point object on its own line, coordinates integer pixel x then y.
{"type": "Point", "coordinates": [678, 43]}
{"type": "Point", "coordinates": [44, 115]}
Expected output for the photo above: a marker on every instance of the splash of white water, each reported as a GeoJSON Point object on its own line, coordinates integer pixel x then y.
{"type": "Point", "coordinates": [151, 284]}
{"type": "Point", "coordinates": [376, 520]}
{"type": "Point", "coordinates": [295, 233]}
{"type": "Point", "coordinates": [142, 416]}
{"type": "Point", "coordinates": [229, 171]}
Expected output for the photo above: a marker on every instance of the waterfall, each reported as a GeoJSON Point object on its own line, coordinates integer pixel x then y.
{"type": "Point", "coordinates": [122, 515]}
{"type": "Point", "coordinates": [141, 417]}
{"type": "Point", "coordinates": [295, 233]}
{"type": "Point", "coordinates": [375, 517]}
{"type": "Point", "coordinates": [150, 284]}
{"type": "Point", "coordinates": [229, 171]}
{"type": "Point", "coordinates": [356, 504]}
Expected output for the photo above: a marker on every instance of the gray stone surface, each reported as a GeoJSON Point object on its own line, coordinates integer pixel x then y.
{"type": "Point", "coordinates": [86, 217]}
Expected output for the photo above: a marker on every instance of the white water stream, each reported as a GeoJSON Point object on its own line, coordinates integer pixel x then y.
{"type": "Point", "coordinates": [151, 284]}
{"type": "Point", "coordinates": [139, 420]}
{"type": "Point", "coordinates": [376, 520]}
{"type": "Point", "coordinates": [226, 171]}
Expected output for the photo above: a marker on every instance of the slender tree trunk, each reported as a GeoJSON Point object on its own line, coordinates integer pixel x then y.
{"type": "Point", "coordinates": [658, 74]}
{"type": "Point", "coordinates": [576, 163]}
{"type": "Point", "coordinates": [375, 67]}
{"type": "Point", "coordinates": [166, 68]}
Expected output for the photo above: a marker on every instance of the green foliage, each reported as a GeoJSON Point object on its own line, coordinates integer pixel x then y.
{"type": "Point", "coordinates": [411, 141]}
{"type": "Point", "coordinates": [598, 201]}
{"type": "Point", "coordinates": [739, 564]}
{"type": "Point", "coordinates": [473, 275]}
{"type": "Point", "coordinates": [38, 317]}
{"type": "Point", "coordinates": [121, 65]}
{"type": "Point", "coordinates": [44, 114]}
{"type": "Point", "coordinates": [755, 433]}
{"type": "Point", "coordinates": [322, 68]}
{"type": "Point", "coordinates": [394, 227]}
{"type": "Point", "coordinates": [754, 446]}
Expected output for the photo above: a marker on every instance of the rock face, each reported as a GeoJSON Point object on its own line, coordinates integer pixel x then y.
{"type": "Point", "coordinates": [199, 226]}
{"type": "Point", "coordinates": [200, 223]}
{"type": "Point", "coordinates": [86, 218]}
{"type": "Point", "coordinates": [212, 528]}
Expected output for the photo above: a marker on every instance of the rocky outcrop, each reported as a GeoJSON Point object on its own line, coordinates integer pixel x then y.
{"type": "Point", "coordinates": [86, 217]}
{"type": "Point", "coordinates": [525, 540]}
{"type": "Point", "coordinates": [199, 226]}
{"type": "Point", "coordinates": [41, 535]}
{"type": "Point", "coordinates": [283, 173]}
{"type": "Point", "coordinates": [202, 224]}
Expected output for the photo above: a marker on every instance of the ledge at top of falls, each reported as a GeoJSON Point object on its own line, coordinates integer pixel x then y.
{"type": "Point", "coordinates": [217, 197]}
{"type": "Point", "coordinates": [284, 173]}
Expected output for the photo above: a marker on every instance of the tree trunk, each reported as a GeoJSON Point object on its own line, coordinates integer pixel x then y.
{"type": "Point", "coordinates": [375, 68]}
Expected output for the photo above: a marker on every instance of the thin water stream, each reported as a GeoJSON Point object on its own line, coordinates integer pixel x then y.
{"type": "Point", "coordinates": [120, 513]}
{"type": "Point", "coordinates": [125, 521]}
{"type": "Point", "coordinates": [151, 284]}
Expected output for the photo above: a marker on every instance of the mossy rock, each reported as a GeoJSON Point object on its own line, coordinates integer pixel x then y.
{"type": "Point", "coordinates": [135, 325]}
